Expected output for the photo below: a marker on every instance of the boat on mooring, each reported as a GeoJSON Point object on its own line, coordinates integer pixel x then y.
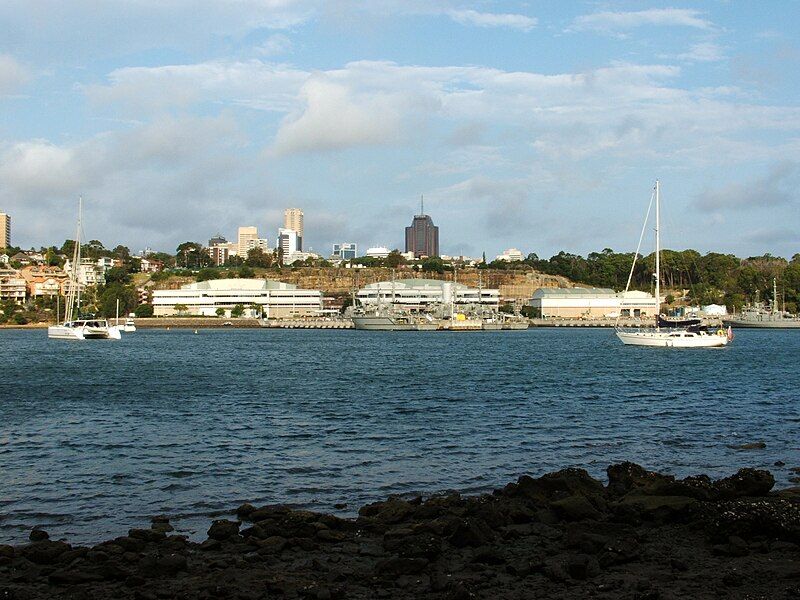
{"type": "Point", "coordinates": [760, 316]}
{"type": "Point", "coordinates": [76, 326]}
{"type": "Point", "coordinates": [663, 333]}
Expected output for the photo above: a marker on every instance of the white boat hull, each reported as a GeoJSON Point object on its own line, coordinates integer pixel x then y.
{"type": "Point", "coordinates": [671, 339]}
{"type": "Point", "coordinates": [62, 332]}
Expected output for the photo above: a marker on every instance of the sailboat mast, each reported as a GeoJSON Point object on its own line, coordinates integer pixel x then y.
{"type": "Point", "coordinates": [73, 279]}
{"type": "Point", "coordinates": [658, 249]}
{"type": "Point", "coordinates": [775, 295]}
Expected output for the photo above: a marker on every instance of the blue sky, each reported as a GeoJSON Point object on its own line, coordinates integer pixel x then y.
{"type": "Point", "coordinates": [536, 125]}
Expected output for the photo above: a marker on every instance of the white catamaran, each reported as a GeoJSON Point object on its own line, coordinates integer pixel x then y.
{"type": "Point", "coordinates": [74, 326]}
{"type": "Point", "coordinates": [667, 334]}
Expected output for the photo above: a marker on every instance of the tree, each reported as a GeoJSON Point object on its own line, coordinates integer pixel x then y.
{"type": "Point", "coordinates": [191, 255]}
{"type": "Point", "coordinates": [256, 308]}
{"type": "Point", "coordinates": [107, 300]}
{"type": "Point", "coordinates": [395, 259]}
{"type": "Point", "coordinates": [246, 272]}
{"type": "Point", "coordinates": [117, 275]}
{"type": "Point", "coordinates": [181, 308]}
{"type": "Point", "coordinates": [433, 264]}
{"type": "Point", "coordinates": [256, 257]}
{"type": "Point", "coordinates": [237, 311]}
{"type": "Point", "coordinates": [144, 310]}
{"type": "Point", "coordinates": [122, 252]}
{"type": "Point", "coordinates": [220, 312]}
{"type": "Point", "coordinates": [207, 274]}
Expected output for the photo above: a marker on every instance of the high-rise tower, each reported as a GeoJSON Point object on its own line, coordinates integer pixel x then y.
{"type": "Point", "coordinates": [422, 237]}
{"type": "Point", "coordinates": [5, 230]}
{"type": "Point", "coordinates": [293, 219]}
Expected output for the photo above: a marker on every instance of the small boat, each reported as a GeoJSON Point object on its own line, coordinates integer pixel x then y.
{"type": "Point", "coordinates": [75, 326]}
{"type": "Point", "coordinates": [129, 326]}
{"type": "Point", "coordinates": [665, 333]}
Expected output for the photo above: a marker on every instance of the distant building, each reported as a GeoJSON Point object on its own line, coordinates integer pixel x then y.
{"type": "Point", "coordinates": [246, 239]}
{"type": "Point", "coordinates": [4, 259]}
{"type": "Point", "coordinates": [13, 286]}
{"type": "Point", "coordinates": [345, 251]}
{"type": "Point", "coordinates": [592, 303]}
{"type": "Point", "coordinates": [417, 294]}
{"type": "Point", "coordinates": [377, 252]}
{"type": "Point", "coordinates": [287, 243]}
{"type": "Point", "coordinates": [88, 272]}
{"type": "Point", "coordinates": [44, 281]}
{"type": "Point", "coordinates": [151, 265]}
{"type": "Point", "coordinates": [275, 299]}
{"type": "Point", "coordinates": [510, 255]}
{"type": "Point", "coordinates": [422, 237]}
{"type": "Point", "coordinates": [217, 240]}
{"type": "Point", "coordinates": [220, 253]}
{"type": "Point", "coordinates": [293, 219]}
{"type": "Point", "coordinates": [5, 230]}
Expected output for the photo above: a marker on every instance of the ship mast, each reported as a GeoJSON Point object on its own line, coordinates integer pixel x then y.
{"type": "Point", "coordinates": [658, 252]}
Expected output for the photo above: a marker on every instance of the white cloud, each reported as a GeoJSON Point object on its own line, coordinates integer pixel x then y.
{"type": "Point", "coordinates": [334, 116]}
{"type": "Point", "coordinates": [777, 187]}
{"type": "Point", "coordinates": [703, 52]}
{"type": "Point", "coordinates": [616, 21]}
{"type": "Point", "coordinates": [274, 45]}
{"type": "Point", "coordinates": [12, 75]}
{"type": "Point", "coordinates": [482, 19]}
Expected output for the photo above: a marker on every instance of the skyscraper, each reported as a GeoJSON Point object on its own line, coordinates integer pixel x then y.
{"type": "Point", "coordinates": [293, 219]}
{"type": "Point", "coordinates": [422, 237]}
{"type": "Point", "coordinates": [5, 230]}
{"type": "Point", "coordinates": [247, 238]}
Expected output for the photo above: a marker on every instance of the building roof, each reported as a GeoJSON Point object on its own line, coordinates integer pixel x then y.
{"type": "Point", "coordinates": [412, 283]}
{"type": "Point", "coordinates": [587, 293]}
{"type": "Point", "coordinates": [239, 284]}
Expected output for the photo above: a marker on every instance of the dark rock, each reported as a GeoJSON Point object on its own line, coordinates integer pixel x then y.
{"type": "Point", "coordinates": [162, 527]}
{"type": "Point", "coordinates": [779, 463]}
{"type": "Point", "coordinates": [394, 567]}
{"type": "Point", "coordinates": [160, 519]}
{"type": "Point", "coordinates": [171, 563]}
{"type": "Point", "coordinates": [268, 512]}
{"type": "Point", "coordinates": [746, 482]}
{"type": "Point", "coordinates": [272, 545]}
{"type": "Point", "coordinates": [566, 482]}
{"type": "Point", "coordinates": [223, 529]}
{"type": "Point", "coordinates": [394, 510]}
{"type": "Point", "coordinates": [748, 446]}
{"type": "Point", "coordinates": [471, 532]}
{"type": "Point", "coordinates": [421, 545]}
{"type": "Point", "coordinates": [130, 544]}
{"type": "Point", "coordinates": [655, 508]}
{"type": "Point", "coordinates": [582, 567]}
{"type": "Point", "coordinates": [575, 508]}
{"type": "Point", "coordinates": [340, 506]}
{"type": "Point", "coordinates": [245, 510]}
{"type": "Point", "coordinates": [38, 535]}
{"type": "Point", "coordinates": [44, 553]}
{"type": "Point", "coordinates": [488, 556]}
{"type": "Point", "coordinates": [75, 576]}
{"type": "Point", "coordinates": [6, 551]}
{"type": "Point", "coordinates": [210, 545]}
{"type": "Point", "coordinates": [147, 535]}
{"type": "Point", "coordinates": [332, 536]}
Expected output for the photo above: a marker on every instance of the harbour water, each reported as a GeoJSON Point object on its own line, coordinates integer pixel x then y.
{"type": "Point", "coordinates": [97, 437]}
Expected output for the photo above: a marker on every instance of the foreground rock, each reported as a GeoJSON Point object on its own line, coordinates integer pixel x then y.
{"type": "Point", "coordinates": [563, 535]}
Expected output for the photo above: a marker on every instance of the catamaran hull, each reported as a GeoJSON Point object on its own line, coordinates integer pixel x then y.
{"type": "Point", "coordinates": [667, 340]}
{"type": "Point", "coordinates": [59, 332]}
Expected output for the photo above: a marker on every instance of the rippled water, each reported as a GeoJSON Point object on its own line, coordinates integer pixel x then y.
{"type": "Point", "coordinates": [96, 437]}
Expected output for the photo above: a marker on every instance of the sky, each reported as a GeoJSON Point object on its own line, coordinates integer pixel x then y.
{"type": "Point", "coordinates": [532, 124]}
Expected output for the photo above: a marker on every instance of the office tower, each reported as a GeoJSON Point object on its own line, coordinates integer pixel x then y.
{"type": "Point", "coordinates": [5, 230]}
{"type": "Point", "coordinates": [293, 219]}
{"type": "Point", "coordinates": [288, 241]}
{"type": "Point", "coordinates": [422, 237]}
{"type": "Point", "coordinates": [247, 237]}
{"type": "Point", "coordinates": [345, 251]}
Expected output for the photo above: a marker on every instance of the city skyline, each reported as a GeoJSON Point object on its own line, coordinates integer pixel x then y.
{"type": "Point", "coordinates": [539, 127]}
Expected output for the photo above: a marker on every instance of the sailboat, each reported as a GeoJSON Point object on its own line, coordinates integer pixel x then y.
{"type": "Point", "coordinates": [75, 327]}
{"type": "Point", "coordinates": [664, 333]}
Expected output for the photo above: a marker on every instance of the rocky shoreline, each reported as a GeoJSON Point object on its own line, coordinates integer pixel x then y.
{"type": "Point", "coordinates": [563, 535]}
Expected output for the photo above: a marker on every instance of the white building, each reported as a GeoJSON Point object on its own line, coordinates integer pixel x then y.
{"type": "Point", "coordinates": [293, 219]}
{"type": "Point", "coordinates": [377, 252]}
{"type": "Point", "coordinates": [510, 255]}
{"type": "Point", "coordinates": [592, 303]}
{"type": "Point", "coordinates": [275, 299]}
{"type": "Point", "coordinates": [89, 273]}
{"type": "Point", "coordinates": [345, 251]}
{"type": "Point", "coordinates": [287, 243]}
{"type": "Point", "coordinates": [246, 238]}
{"type": "Point", "coordinates": [13, 286]}
{"type": "Point", "coordinates": [420, 293]}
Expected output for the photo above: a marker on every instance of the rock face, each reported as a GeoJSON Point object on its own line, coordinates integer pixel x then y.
{"type": "Point", "coordinates": [562, 535]}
